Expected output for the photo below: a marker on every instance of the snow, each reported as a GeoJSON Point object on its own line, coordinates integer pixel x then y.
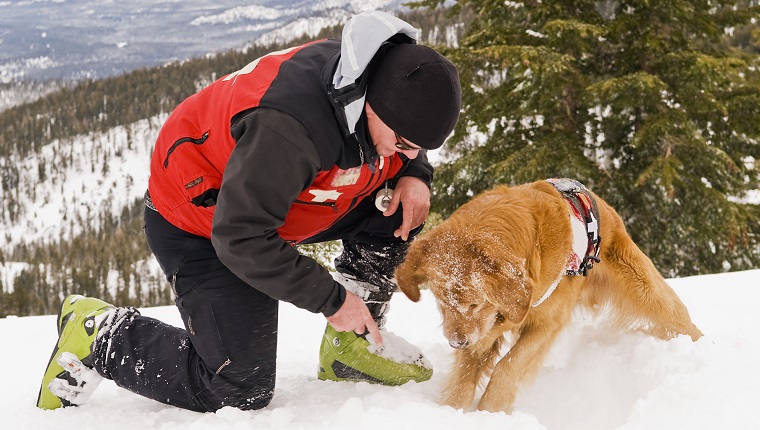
{"type": "Point", "coordinates": [249, 12]}
{"type": "Point", "coordinates": [88, 176]}
{"type": "Point", "coordinates": [398, 349]}
{"type": "Point", "coordinates": [8, 273]}
{"type": "Point", "coordinates": [592, 379]}
{"type": "Point", "coordinates": [106, 38]}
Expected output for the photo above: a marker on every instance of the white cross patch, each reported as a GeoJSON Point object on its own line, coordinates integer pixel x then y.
{"type": "Point", "coordinates": [593, 228]}
{"type": "Point", "coordinates": [325, 195]}
{"type": "Point", "coordinates": [252, 65]}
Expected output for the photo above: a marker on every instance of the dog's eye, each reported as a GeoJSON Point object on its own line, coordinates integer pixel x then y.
{"type": "Point", "coordinates": [473, 306]}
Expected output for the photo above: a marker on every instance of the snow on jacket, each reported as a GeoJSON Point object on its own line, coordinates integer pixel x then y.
{"type": "Point", "coordinates": [277, 152]}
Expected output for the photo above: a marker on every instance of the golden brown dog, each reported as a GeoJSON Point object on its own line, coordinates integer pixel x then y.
{"type": "Point", "coordinates": [498, 265]}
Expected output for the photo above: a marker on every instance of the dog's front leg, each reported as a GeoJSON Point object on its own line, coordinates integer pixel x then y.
{"type": "Point", "coordinates": [459, 391]}
{"type": "Point", "coordinates": [518, 366]}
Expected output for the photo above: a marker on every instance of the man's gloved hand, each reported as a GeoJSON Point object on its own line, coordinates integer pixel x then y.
{"type": "Point", "coordinates": [86, 380]}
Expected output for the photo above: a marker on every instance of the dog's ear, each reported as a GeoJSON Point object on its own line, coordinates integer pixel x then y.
{"type": "Point", "coordinates": [512, 295]}
{"type": "Point", "coordinates": [410, 274]}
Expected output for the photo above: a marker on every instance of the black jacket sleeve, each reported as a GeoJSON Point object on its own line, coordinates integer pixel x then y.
{"type": "Point", "coordinates": [273, 162]}
{"type": "Point", "coordinates": [419, 167]}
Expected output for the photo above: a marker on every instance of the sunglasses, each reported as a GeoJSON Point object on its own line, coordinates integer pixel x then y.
{"type": "Point", "coordinates": [400, 144]}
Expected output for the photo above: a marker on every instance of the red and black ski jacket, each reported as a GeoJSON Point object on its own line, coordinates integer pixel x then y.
{"type": "Point", "coordinates": [262, 158]}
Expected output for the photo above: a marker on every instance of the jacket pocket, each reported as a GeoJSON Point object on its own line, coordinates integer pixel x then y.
{"type": "Point", "coordinates": [182, 141]}
{"type": "Point", "coordinates": [187, 160]}
{"type": "Point", "coordinates": [203, 329]}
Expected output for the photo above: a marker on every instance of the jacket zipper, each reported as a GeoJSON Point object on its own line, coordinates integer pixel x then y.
{"type": "Point", "coordinates": [371, 184]}
{"type": "Point", "coordinates": [333, 205]}
{"type": "Point", "coordinates": [225, 364]}
{"type": "Point", "coordinates": [182, 141]}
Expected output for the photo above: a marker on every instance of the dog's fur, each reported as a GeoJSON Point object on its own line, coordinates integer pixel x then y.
{"type": "Point", "coordinates": [497, 255]}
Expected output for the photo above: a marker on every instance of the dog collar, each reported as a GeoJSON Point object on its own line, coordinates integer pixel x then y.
{"type": "Point", "coordinates": [584, 222]}
{"type": "Point", "coordinates": [584, 219]}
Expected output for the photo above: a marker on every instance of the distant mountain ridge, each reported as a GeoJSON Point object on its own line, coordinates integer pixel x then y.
{"type": "Point", "coordinates": [75, 39]}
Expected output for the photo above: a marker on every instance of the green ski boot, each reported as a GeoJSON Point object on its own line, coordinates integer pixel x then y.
{"type": "Point", "coordinates": [344, 356]}
{"type": "Point", "coordinates": [78, 322]}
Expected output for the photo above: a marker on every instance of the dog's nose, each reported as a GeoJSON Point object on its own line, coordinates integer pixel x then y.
{"type": "Point", "coordinates": [458, 343]}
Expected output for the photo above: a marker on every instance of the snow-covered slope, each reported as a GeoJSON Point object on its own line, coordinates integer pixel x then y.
{"type": "Point", "coordinates": [82, 179]}
{"type": "Point", "coordinates": [592, 379]}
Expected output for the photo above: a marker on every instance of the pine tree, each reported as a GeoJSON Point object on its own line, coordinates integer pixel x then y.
{"type": "Point", "coordinates": [635, 98]}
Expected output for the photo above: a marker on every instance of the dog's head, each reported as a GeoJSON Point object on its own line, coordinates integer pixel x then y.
{"type": "Point", "coordinates": [476, 284]}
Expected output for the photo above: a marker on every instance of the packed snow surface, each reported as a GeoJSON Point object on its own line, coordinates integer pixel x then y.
{"type": "Point", "coordinates": [592, 379]}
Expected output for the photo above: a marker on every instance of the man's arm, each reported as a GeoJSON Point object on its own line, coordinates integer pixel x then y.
{"type": "Point", "coordinates": [273, 162]}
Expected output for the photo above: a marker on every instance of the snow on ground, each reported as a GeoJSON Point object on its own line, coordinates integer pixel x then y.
{"type": "Point", "coordinates": [592, 378]}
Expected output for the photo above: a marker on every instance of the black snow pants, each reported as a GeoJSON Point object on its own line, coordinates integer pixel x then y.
{"type": "Point", "coordinates": [226, 354]}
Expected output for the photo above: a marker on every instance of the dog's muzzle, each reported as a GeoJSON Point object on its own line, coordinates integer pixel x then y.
{"type": "Point", "coordinates": [459, 343]}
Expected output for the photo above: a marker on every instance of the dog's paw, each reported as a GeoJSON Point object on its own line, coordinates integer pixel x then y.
{"type": "Point", "coordinates": [495, 403]}
{"type": "Point", "coordinates": [458, 399]}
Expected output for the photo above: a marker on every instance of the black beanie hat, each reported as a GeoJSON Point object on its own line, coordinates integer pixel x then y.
{"type": "Point", "coordinates": [416, 92]}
